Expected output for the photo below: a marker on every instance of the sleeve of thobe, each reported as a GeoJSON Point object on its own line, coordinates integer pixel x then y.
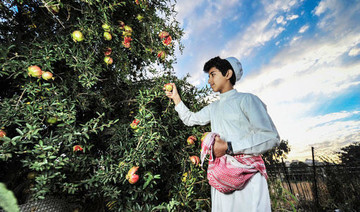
{"type": "Point", "coordinates": [189, 118]}
{"type": "Point", "coordinates": [263, 135]}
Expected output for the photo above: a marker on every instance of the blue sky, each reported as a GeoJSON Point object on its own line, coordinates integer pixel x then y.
{"type": "Point", "coordinates": [301, 57]}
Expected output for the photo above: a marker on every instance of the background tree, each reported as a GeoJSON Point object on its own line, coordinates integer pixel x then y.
{"type": "Point", "coordinates": [299, 165]}
{"type": "Point", "coordinates": [274, 156]}
{"type": "Point", "coordinates": [350, 155]}
{"type": "Point", "coordinates": [342, 180]}
{"type": "Point", "coordinates": [82, 104]}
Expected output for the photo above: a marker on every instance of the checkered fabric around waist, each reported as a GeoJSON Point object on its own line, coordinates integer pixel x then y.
{"type": "Point", "coordinates": [230, 173]}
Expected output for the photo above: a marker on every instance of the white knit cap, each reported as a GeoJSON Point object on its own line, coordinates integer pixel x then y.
{"type": "Point", "coordinates": [236, 65]}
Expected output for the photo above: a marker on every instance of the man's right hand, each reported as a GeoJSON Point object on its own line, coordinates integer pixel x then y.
{"type": "Point", "coordinates": [174, 95]}
{"type": "Point", "coordinates": [220, 147]}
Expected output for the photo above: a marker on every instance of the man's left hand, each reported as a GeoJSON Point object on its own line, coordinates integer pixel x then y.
{"type": "Point", "coordinates": [220, 147]}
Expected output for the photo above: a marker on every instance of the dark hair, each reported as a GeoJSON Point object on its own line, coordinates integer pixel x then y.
{"type": "Point", "coordinates": [223, 66]}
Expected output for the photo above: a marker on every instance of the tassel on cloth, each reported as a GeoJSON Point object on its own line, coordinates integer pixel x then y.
{"type": "Point", "coordinates": [206, 147]}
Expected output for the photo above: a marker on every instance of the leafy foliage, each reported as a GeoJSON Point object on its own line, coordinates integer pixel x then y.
{"type": "Point", "coordinates": [350, 155]}
{"type": "Point", "coordinates": [281, 198]}
{"type": "Point", "coordinates": [342, 187]}
{"type": "Point", "coordinates": [70, 136]}
{"type": "Point", "coordinates": [273, 156]}
{"type": "Point", "coordinates": [342, 180]}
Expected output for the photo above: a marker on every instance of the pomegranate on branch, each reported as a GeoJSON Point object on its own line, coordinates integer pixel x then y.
{"type": "Point", "coordinates": [35, 71]}
{"type": "Point", "coordinates": [191, 140]}
{"type": "Point", "coordinates": [77, 36]}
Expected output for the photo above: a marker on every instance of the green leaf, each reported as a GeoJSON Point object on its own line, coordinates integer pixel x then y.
{"type": "Point", "coordinates": [19, 131]}
{"type": "Point", "coordinates": [86, 135]}
{"type": "Point", "coordinates": [28, 126]}
{"type": "Point", "coordinates": [47, 148]}
{"type": "Point", "coordinates": [6, 139]}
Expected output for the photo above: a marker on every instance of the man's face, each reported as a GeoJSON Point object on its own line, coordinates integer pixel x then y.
{"type": "Point", "coordinates": [216, 80]}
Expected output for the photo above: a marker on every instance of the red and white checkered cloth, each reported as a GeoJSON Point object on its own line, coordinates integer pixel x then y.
{"type": "Point", "coordinates": [230, 173]}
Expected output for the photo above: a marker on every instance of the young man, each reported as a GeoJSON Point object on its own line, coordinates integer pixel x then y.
{"type": "Point", "coordinates": [244, 127]}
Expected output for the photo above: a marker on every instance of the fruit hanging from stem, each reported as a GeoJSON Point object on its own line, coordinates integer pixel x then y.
{"type": "Point", "coordinates": [77, 36]}
{"type": "Point", "coordinates": [191, 140]}
{"type": "Point", "coordinates": [2, 133]}
{"type": "Point", "coordinates": [131, 176]}
{"type": "Point", "coordinates": [35, 71]}
{"type": "Point", "coordinates": [195, 160]}
{"type": "Point", "coordinates": [108, 60]}
{"type": "Point", "coordinates": [107, 36]}
{"type": "Point", "coordinates": [46, 75]}
{"type": "Point", "coordinates": [106, 27]}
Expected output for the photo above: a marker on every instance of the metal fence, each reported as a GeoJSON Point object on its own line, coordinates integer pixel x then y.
{"type": "Point", "coordinates": [50, 204]}
{"type": "Point", "coordinates": [326, 187]}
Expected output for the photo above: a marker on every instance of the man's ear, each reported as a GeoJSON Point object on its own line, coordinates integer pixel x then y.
{"type": "Point", "coordinates": [229, 74]}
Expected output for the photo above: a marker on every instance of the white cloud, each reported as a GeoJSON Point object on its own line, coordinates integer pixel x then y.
{"type": "Point", "coordinates": [305, 74]}
{"type": "Point", "coordinates": [309, 67]}
{"type": "Point", "coordinates": [274, 6]}
{"type": "Point", "coordinates": [315, 122]}
{"type": "Point", "coordinates": [199, 77]}
{"type": "Point", "coordinates": [322, 6]}
{"type": "Point", "coordinates": [214, 12]}
{"type": "Point", "coordinates": [257, 34]}
{"type": "Point", "coordinates": [354, 51]}
{"type": "Point", "coordinates": [186, 8]}
{"type": "Point", "coordinates": [294, 39]}
{"type": "Point", "coordinates": [309, 73]}
{"type": "Point", "coordinates": [280, 20]}
{"type": "Point", "coordinates": [337, 16]}
{"type": "Point", "coordinates": [260, 31]}
{"type": "Point", "coordinates": [326, 136]}
{"type": "Point", "coordinates": [200, 28]}
{"type": "Point", "coordinates": [304, 28]}
{"type": "Point", "coordinates": [291, 17]}
{"type": "Point", "coordinates": [299, 79]}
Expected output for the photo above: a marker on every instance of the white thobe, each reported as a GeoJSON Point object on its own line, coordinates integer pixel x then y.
{"type": "Point", "coordinates": [242, 119]}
